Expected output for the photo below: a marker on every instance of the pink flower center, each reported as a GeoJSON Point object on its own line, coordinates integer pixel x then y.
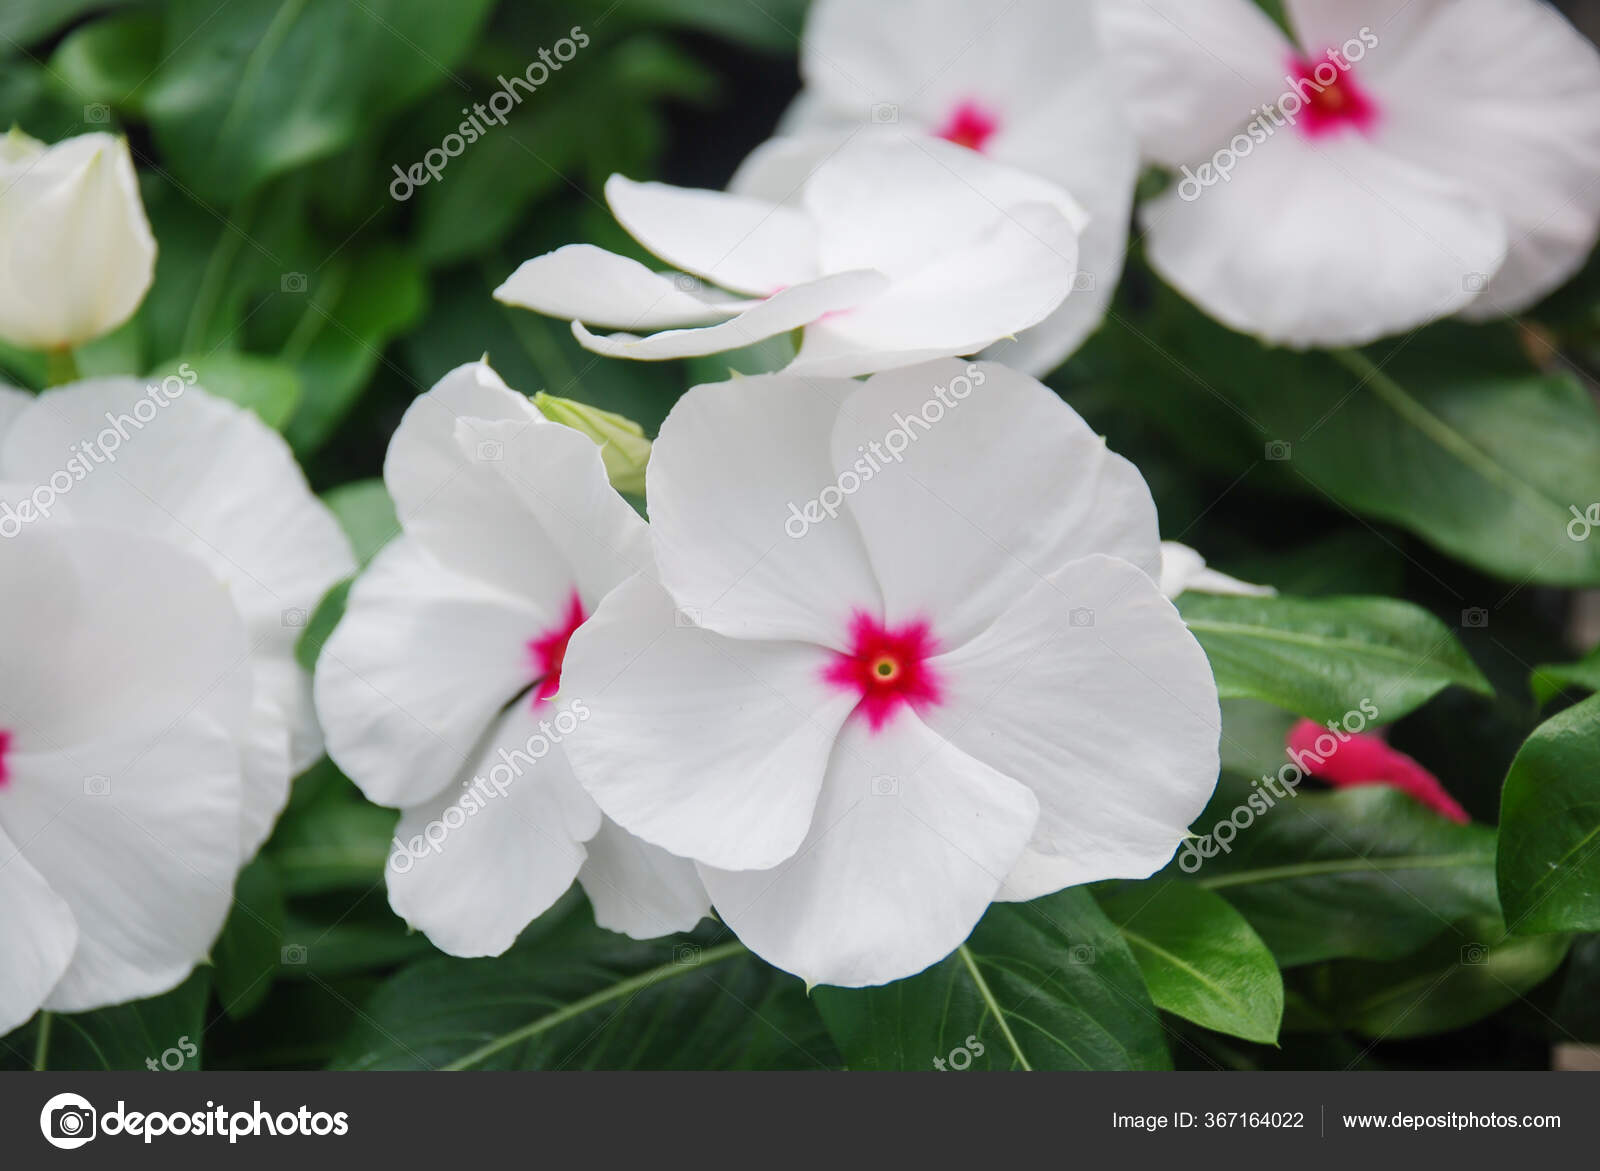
{"type": "Point", "coordinates": [549, 650]}
{"type": "Point", "coordinates": [5, 745]}
{"type": "Point", "coordinates": [886, 667]}
{"type": "Point", "coordinates": [1334, 100]}
{"type": "Point", "coordinates": [969, 125]}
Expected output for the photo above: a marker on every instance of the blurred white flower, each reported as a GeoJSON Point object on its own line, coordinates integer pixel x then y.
{"type": "Point", "coordinates": [211, 479]}
{"type": "Point", "coordinates": [1392, 164]}
{"type": "Point", "coordinates": [893, 251]}
{"type": "Point", "coordinates": [1184, 569]}
{"type": "Point", "coordinates": [1024, 83]}
{"type": "Point", "coordinates": [441, 689]}
{"type": "Point", "coordinates": [123, 701]}
{"type": "Point", "coordinates": [76, 253]}
{"type": "Point", "coordinates": [867, 731]}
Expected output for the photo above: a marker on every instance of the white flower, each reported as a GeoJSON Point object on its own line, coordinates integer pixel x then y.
{"type": "Point", "coordinates": [439, 688]}
{"type": "Point", "coordinates": [76, 253]}
{"type": "Point", "coordinates": [1395, 163]}
{"type": "Point", "coordinates": [960, 662]}
{"type": "Point", "coordinates": [210, 478]}
{"type": "Point", "coordinates": [893, 250]}
{"type": "Point", "coordinates": [1023, 83]}
{"type": "Point", "coordinates": [122, 704]}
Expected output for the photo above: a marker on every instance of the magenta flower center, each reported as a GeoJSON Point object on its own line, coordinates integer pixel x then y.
{"type": "Point", "coordinates": [1334, 100]}
{"type": "Point", "coordinates": [969, 125]}
{"type": "Point", "coordinates": [5, 745]}
{"type": "Point", "coordinates": [549, 650]}
{"type": "Point", "coordinates": [886, 668]}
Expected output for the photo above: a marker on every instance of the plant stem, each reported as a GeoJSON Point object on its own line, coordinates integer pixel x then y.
{"type": "Point", "coordinates": [41, 1045]}
{"type": "Point", "coordinates": [60, 367]}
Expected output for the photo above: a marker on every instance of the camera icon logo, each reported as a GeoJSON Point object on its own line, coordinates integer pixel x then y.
{"type": "Point", "coordinates": [294, 955]}
{"type": "Point", "coordinates": [1279, 450]}
{"type": "Point", "coordinates": [295, 619]}
{"type": "Point", "coordinates": [686, 616]}
{"type": "Point", "coordinates": [293, 282]}
{"type": "Point", "coordinates": [1080, 616]}
{"type": "Point", "coordinates": [1474, 954]}
{"type": "Point", "coordinates": [97, 113]}
{"type": "Point", "coordinates": [885, 113]}
{"type": "Point", "coordinates": [491, 451]}
{"type": "Point", "coordinates": [97, 786]}
{"type": "Point", "coordinates": [1083, 282]}
{"type": "Point", "coordinates": [686, 283]}
{"type": "Point", "coordinates": [1081, 954]}
{"type": "Point", "coordinates": [886, 786]}
{"type": "Point", "coordinates": [1475, 618]}
{"type": "Point", "coordinates": [68, 1122]}
{"type": "Point", "coordinates": [1474, 282]}
{"type": "Point", "coordinates": [687, 954]}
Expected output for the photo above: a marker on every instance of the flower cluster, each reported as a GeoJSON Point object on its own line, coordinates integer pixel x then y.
{"type": "Point", "coordinates": [897, 639]}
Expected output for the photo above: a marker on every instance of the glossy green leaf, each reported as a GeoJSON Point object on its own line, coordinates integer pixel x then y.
{"type": "Point", "coordinates": [1552, 679]}
{"type": "Point", "coordinates": [246, 954]}
{"type": "Point", "coordinates": [168, 1030]}
{"type": "Point", "coordinates": [1043, 985]}
{"type": "Point", "coordinates": [1201, 960]}
{"type": "Point", "coordinates": [1361, 872]}
{"type": "Point", "coordinates": [1464, 974]}
{"type": "Point", "coordinates": [1325, 657]}
{"type": "Point", "coordinates": [572, 996]}
{"type": "Point", "coordinates": [1549, 856]}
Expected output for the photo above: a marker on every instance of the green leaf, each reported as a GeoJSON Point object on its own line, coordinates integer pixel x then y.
{"type": "Point", "coordinates": [366, 514]}
{"type": "Point", "coordinates": [1549, 856]}
{"type": "Point", "coordinates": [1552, 679]}
{"type": "Point", "coordinates": [1364, 871]}
{"type": "Point", "coordinates": [1325, 657]}
{"type": "Point", "coordinates": [1043, 985]}
{"type": "Point", "coordinates": [168, 1030]}
{"type": "Point", "coordinates": [1466, 973]}
{"type": "Point", "coordinates": [249, 91]}
{"type": "Point", "coordinates": [24, 21]}
{"type": "Point", "coordinates": [109, 60]}
{"type": "Point", "coordinates": [321, 625]}
{"type": "Point", "coordinates": [246, 954]}
{"type": "Point", "coordinates": [1449, 432]}
{"type": "Point", "coordinates": [263, 385]}
{"type": "Point", "coordinates": [570, 995]}
{"type": "Point", "coordinates": [1201, 960]}
{"type": "Point", "coordinates": [351, 315]}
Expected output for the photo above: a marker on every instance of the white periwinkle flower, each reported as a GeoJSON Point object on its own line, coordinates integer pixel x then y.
{"type": "Point", "coordinates": [907, 650]}
{"type": "Point", "coordinates": [892, 250]}
{"type": "Point", "coordinates": [122, 706]}
{"type": "Point", "coordinates": [1025, 84]}
{"type": "Point", "coordinates": [1394, 163]}
{"type": "Point", "coordinates": [441, 689]}
{"type": "Point", "coordinates": [76, 253]}
{"type": "Point", "coordinates": [210, 478]}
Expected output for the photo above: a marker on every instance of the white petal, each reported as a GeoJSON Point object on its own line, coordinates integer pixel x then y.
{"type": "Point", "coordinates": [1013, 277]}
{"type": "Point", "coordinates": [498, 493]}
{"type": "Point", "coordinates": [890, 202]}
{"type": "Point", "coordinates": [580, 282]}
{"type": "Point", "coordinates": [1093, 693]}
{"type": "Point", "coordinates": [999, 485]}
{"type": "Point", "coordinates": [215, 480]}
{"type": "Point", "coordinates": [640, 889]}
{"type": "Point", "coordinates": [1334, 243]}
{"type": "Point", "coordinates": [417, 670]}
{"type": "Point", "coordinates": [910, 841]}
{"type": "Point", "coordinates": [40, 935]}
{"type": "Point", "coordinates": [1504, 96]}
{"type": "Point", "coordinates": [791, 308]}
{"type": "Point", "coordinates": [84, 660]}
{"type": "Point", "coordinates": [709, 747]}
{"type": "Point", "coordinates": [265, 764]}
{"type": "Point", "coordinates": [475, 865]}
{"type": "Point", "coordinates": [1319, 26]}
{"type": "Point", "coordinates": [731, 240]}
{"type": "Point", "coordinates": [778, 170]}
{"type": "Point", "coordinates": [734, 464]}
{"type": "Point", "coordinates": [141, 839]}
{"type": "Point", "coordinates": [12, 402]}
{"type": "Point", "coordinates": [1184, 569]}
{"type": "Point", "coordinates": [1192, 71]}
